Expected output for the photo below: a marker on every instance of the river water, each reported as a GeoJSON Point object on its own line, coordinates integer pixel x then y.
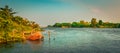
{"type": "Point", "coordinates": [70, 40]}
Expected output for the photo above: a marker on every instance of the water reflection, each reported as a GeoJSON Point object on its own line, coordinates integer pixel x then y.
{"type": "Point", "coordinates": [35, 45]}
{"type": "Point", "coordinates": [8, 45]}
{"type": "Point", "coordinates": [71, 40]}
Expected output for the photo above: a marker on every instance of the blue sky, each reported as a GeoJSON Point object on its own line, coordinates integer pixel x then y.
{"type": "Point", "coordinates": [47, 12]}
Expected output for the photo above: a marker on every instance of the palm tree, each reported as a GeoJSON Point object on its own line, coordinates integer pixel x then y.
{"type": "Point", "coordinates": [6, 11]}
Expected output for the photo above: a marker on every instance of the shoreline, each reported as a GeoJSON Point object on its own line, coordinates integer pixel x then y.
{"type": "Point", "coordinates": [22, 38]}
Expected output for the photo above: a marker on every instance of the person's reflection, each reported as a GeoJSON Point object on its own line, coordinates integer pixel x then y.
{"type": "Point", "coordinates": [35, 45]}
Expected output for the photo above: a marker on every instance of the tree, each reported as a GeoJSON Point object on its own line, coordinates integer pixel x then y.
{"type": "Point", "coordinates": [10, 23]}
{"type": "Point", "coordinates": [66, 24]}
{"type": "Point", "coordinates": [118, 25]}
{"type": "Point", "coordinates": [100, 22]}
{"type": "Point", "coordinates": [57, 25]}
{"type": "Point", "coordinates": [7, 27]}
{"type": "Point", "coordinates": [93, 22]}
{"type": "Point", "coordinates": [49, 26]}
{"type": "Point", "coordinates": [6, 11]}
{"type": "Point", "coordinates": [74, 24]}
{"type": "Point", "coordinates": [18, 19]}
{"type": "Point", "coordinates": [82, 22]}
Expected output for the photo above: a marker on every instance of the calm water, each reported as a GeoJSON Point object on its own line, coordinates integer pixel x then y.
{"type": "Point", "coordinates": [70, 40]}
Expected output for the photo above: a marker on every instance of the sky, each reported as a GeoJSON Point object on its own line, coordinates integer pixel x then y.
{"type": "Point", "coordinates": [48, 12]}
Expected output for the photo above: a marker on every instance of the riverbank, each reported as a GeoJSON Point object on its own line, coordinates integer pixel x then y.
{"type": "Point", "coordinates": [12, 27]}
{"type": "Point", "coordinates": [33, 35]}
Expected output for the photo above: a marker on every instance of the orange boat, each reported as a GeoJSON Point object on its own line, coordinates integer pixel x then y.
{"type": "Point", "coordinates": [35, 36]}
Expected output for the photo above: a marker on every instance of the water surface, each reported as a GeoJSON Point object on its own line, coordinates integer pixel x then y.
{"type": "Point", "coordinates": [70, 40]}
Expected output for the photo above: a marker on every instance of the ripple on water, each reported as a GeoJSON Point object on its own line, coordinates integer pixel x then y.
{"type": "Point", "coordinates": [72, 40]}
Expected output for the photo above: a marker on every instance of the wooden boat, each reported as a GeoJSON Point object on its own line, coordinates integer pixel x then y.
{"type": "Point", "coordinates": [35, 36]}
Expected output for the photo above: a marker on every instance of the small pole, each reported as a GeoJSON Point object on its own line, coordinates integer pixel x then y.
{"type": "Point", "coordinates": [49, 35]}
{"type": "Point", "coordinates": [54, 38]}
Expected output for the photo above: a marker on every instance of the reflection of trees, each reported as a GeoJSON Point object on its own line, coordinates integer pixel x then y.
{"type": "Point", "coordinates": [8, 45]}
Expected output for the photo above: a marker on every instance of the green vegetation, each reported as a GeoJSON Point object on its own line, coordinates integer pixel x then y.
{"type": "Point", "coordinates": [83, 24]}
{"type": "Point", "coordinates": [12, 27]}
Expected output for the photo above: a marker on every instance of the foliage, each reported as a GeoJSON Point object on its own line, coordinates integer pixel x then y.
{"type": "Point", "coordinates": [74, 24]}
{"type": "Point", "coordinates": [100, 22]}
{"type": "Point", "coordinates": [12, 26]}
{"type": "Point", "coordinates": [57, 25]}
{"type": "Point", "coordinates": [118, 25]}
{"type": "Point", "coordinates": [66, 24]}
{"type": "Point", "coordinates": [93, 24]}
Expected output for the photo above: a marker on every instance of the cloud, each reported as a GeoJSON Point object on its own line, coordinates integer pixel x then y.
{"type": "Point", "coordinates": [95, 10]}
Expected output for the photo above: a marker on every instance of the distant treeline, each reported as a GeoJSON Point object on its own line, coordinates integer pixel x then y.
{"type": "Point", "coordinates": [11, 27]}
{"type": "Point", "coordinates": [83, 24]}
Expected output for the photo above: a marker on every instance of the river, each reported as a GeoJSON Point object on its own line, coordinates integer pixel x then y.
{"type": "Point", "coordinates": [70, 40]}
